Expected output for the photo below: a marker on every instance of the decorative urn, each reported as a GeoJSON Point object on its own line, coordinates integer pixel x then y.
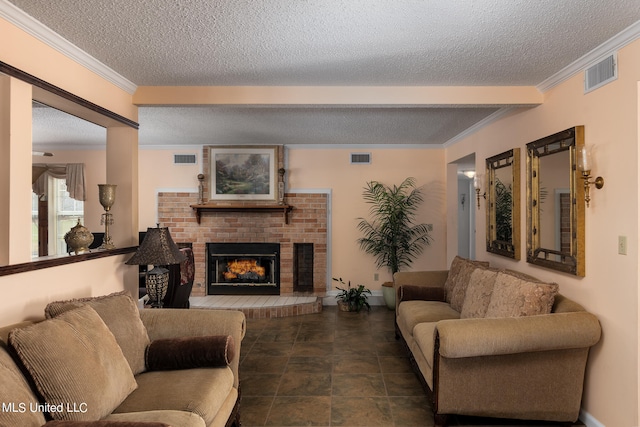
{"type": "Point", "coordinates": [78, 239]}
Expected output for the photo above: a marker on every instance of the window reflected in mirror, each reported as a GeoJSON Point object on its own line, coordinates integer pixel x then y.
{"type": "Point", "coordinates": [503, 204]}
{"type": "Point", "coordinates": [56, 209]}
{"type": "Point", "coordinates": [555, 205]}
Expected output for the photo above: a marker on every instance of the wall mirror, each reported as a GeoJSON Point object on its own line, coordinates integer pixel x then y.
{"type": "Point", "coordinates": [51, 98]}
{"type": "Point", "coordinates": [503, 204]}
{"type": "Point", "coordinates": [555, 204]}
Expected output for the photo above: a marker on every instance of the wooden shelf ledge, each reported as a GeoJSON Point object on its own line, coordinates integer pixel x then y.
{"type": "Point", "coordinates": [285, 209]}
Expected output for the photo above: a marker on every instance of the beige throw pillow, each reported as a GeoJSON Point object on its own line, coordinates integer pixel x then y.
{"type": "Point", "coordinates": [459, 273]}
{"type": "Point", "coordinates": [16, 396]}
{"type": "Point", "coordinates": [76, 364]}
{"type": "Point", "coordinates": [120, 313]}
{"type": "Point", "coordinates": [516, 297]}
{"type": "Point", "coordinates": [478, 295]}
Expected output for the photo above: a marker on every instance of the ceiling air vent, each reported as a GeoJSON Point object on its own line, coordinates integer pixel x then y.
{"type": "Point", "coordinates": [184, 159]}
{"type": "Point", "coordinates": [601, 73]}
{"type": "Point", "coordinates": [360, 158]}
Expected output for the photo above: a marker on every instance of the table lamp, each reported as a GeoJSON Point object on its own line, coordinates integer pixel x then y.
{"type": "Point", "coordinates": [157, 249]}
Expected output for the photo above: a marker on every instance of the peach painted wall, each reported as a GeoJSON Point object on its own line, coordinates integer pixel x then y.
{"type": "Point", "coordinates": [28, 54]}
{"type": "Point", "coordinates": [158, 173]}
{"type": "Point", "coordinates": [330, 168]}
{"type": "Point", "coordinates": [25, 295]}
{"type": "Point", "coordinates": [610, 288]}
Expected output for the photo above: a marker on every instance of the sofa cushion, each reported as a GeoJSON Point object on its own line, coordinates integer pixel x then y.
{"type": "Point", "coordinates": [190, 352]}
{"type": "Point", "coordinates": [74, 359]}
{"type": "Point", "coordinates": [425, 336]}
{"type": "Point", "coordinates": [120, 313]}
{"type": "Point", "coordinates": [410, 313]}
{"type": "Point", "coordinates": [478, 295]}
{"type": "Point", "coordinates": [516, 297]}
{"type": "Point", "coordinates": [456, 284]}
{"type": "Point", "coordinates": [172, 418]}
{"type": "Point", "coordinates": [103, 423]}
{"type": "Point", "coordinates": [202, 391]}
{"type": "Point", "coordinates": [15, 391]}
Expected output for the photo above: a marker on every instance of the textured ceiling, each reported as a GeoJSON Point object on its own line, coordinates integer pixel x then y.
{"type": "Point", "coordinates": [330, 42]}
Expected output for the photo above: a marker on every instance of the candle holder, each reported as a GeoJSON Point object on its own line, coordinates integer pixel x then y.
{"type": "Point", "coordinates": [281, 173]}
{"type": "Point", "coordinates": [107, 193]}
{"type": "Point", "coordinates": [201, 188]}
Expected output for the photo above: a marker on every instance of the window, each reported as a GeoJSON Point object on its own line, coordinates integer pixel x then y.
{"type": "Point", "coordinates": [63, 213]}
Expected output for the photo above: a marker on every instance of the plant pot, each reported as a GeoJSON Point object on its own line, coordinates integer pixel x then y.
{"type": "Point", "coordinates": [343, 306]}
{"type": "Point", "coordinates": [389, 295]}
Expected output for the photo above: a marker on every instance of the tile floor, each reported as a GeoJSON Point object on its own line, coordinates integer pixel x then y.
{"type": "Point", "coordinates": [333, 369]}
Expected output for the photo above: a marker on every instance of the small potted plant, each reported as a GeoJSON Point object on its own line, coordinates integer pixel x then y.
{"type": "Point", "coordinates": [352, 299]}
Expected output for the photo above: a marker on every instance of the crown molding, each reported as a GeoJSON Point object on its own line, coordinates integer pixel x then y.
{"type": "Point", "coordinates": [43, 33]}
{"type": "Point", "coordinates": [616, 42]}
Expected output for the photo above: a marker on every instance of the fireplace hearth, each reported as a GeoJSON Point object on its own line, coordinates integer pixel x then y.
{"type": "Point", "coordinates": [243, 268]}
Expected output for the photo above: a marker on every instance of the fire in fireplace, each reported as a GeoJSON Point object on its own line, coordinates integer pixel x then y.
{"type": "Point", "coordinates": [243, 268]}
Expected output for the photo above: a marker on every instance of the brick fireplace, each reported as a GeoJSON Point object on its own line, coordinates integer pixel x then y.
{"type": "Point", "coordinates": [306, 228]}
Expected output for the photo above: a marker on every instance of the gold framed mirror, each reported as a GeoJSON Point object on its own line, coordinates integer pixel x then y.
{"type": "Point", "coordinates": [503, 204]}
{"type": "Point", "coordinates": [555, 204]}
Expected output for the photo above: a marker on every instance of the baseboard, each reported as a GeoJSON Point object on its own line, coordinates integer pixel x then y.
{"type": "Point", "coordinates": [589, 420]}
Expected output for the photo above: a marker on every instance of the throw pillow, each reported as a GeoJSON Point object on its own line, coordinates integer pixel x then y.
{"type": "Point", "coordinates": [120, 313]}
{"type": "Point", "coordinates": [17, 398]}
{"type": "Point", "coordinates": [190, 353]}
{"type": "Point", "coordinates": [456, 276]}
{"type": "Point", "coordinates": [516, 297]}
{"type": "Point", "coordinates": [422, 293]}
{"type": "Point", "coordinates": [478, 295]}
{"type": "Point", "coordinates": [76, 365]}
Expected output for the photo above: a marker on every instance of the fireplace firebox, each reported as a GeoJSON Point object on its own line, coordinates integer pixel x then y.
{"type": "Point", "coordinates": [243, 268]}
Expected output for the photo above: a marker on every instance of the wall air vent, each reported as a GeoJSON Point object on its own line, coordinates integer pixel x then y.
{"type": "Point", "coordinates": [601, 73]}
{"type": "Point", "coordinates": [360, 158]}
{"type": "Point", "coordinates": [185, 159]}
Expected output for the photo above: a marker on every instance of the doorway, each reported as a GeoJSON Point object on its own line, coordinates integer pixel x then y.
{"type": "Point", "coordinates": [466, 206]}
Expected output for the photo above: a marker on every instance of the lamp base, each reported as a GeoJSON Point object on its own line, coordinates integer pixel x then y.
{"type": "Point", "coordinates": [157, 282]}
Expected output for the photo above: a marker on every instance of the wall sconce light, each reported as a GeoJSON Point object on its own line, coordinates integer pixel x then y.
{"type": "Point", "coordinates": [477, 184]}
{"type": "Point", "coordinates": [584, 166]}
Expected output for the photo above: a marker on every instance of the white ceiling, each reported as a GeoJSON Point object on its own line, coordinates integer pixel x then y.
{"type": "Point", "coordinates": [321, 43]}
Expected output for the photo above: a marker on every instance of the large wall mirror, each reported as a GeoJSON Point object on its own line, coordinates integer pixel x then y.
{"type": "Point", "coordinates": [55, 107]}
{"type": "Point", "coordinates": [555, 204]}
{"type": "Point", "coordinates": [503, 202]}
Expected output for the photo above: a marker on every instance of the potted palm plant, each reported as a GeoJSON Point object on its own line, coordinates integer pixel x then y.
{"type": "Point", "coordinates": [392, 236]}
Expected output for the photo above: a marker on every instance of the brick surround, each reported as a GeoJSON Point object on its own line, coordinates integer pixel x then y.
{"type": "Point", "coordinates": [307, 224]}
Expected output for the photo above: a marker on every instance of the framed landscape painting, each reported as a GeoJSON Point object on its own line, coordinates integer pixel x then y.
{"type": "Point", "coordinates": [243, 173]}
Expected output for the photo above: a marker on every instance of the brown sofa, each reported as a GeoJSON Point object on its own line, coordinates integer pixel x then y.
{"type": "Point", "coordinates": [102, 362]}
{"type": "Point", "coordinates": [494, 343]}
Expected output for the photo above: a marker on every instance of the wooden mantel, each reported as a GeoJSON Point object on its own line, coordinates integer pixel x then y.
{"type": "Point", "coordinates": [239, 207]}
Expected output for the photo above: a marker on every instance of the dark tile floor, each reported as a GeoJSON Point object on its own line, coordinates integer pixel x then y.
{"type": "Point", "coordinates": [333, 369]}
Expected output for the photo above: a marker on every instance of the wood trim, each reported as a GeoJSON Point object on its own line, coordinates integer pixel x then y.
{"type": "Point", "coordinates": [285, 209]}
{"type": "Point", "coordinates": [62, 260]}
{"type": "Point", "coordinates": [55, 90]}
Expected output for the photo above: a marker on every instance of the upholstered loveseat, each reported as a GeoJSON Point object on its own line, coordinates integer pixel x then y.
{"type": "Point", "coordinates": [102, 362]}
{"type": "Point", "coordinates": [494, 343]}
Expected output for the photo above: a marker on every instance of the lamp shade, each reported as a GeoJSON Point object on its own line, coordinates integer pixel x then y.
{"type": "Point", "coordinates": [157, 248]}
